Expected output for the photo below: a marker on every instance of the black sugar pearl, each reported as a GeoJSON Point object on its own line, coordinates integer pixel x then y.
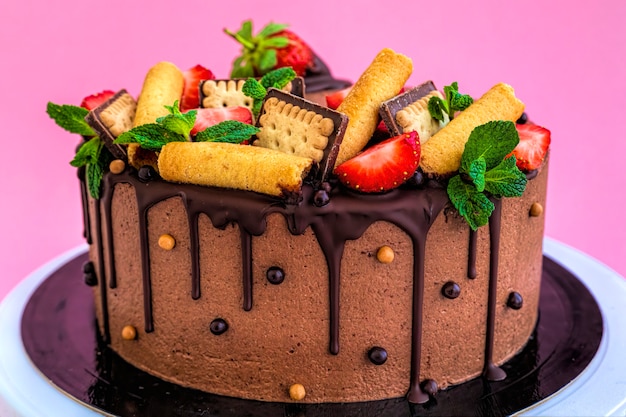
{"type": "Point", "coordinates": [275, 275]}
{"type": "Point", "coordinates": [326, 186]}
{"type": "Point", "coordinates": [377, 355]}
{"type": "Point", "coordinates": [89, 274]}
{"type": "Point", "coordinates": [523, 119]}
{"type": "Point", "coordinates": [451, 290]}
{"type": "Point", "coordinates": [321, 198]}
{"type": "Point", "coordinates": [418, 179]}
{"type": "Point", "coordinates": [218, 326]}
{"type": "Point", "coordinates": [515, 301]}
{"type": "Point", "coordinates": [146, 173]}
{"type": "Point", "coordinates": [430, 387]}
{"type": "Point", "coordinates": [91, 279]}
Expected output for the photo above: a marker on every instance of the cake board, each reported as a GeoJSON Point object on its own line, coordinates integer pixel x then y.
{"type": "Point", "coordinates": [25, 391]}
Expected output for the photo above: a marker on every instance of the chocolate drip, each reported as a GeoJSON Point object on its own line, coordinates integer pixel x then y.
{"type": "Point", "coordinates": [101, 277]}
{"type": "Point", "coordinates": [471, 259]}
{"type": "Point", "coordinates": [194, 249]}
{"type": "Point", "coordinates": [246, 257]}
{"type": "Point", "coordinates": [491, 371]}
{"type": "Point", "coordinates": [346, 217]}
{"type": "Point", "coordinates": [85, 200]}
{"type": "Point", "coordinates": [107, 201]}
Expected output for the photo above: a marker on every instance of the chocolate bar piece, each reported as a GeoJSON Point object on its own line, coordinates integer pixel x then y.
{"type": "Point", "coordinates": [227, 93]}
{"type": "Point", "coordinates": [390, 108]}
{"type": "Point", "coordinates": [112, 118]}
{"type": "Point", "coordinates": [297, 126]}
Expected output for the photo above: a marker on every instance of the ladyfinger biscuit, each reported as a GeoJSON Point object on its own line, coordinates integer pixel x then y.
{"type": "Point", "coordinates": [162, 86]}
{"type": "Point", "coordinates": [382, 80]}
{"type": "Point", "coordinates": [226, 165]}
{"type": "Point", "coordinates": [441, 155]}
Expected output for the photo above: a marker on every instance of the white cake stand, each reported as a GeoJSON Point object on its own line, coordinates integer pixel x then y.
{"type": "Point", "coordinates": [600, 390]}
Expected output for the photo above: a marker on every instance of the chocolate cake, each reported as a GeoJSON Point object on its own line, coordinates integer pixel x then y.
{"type": "Point", "coordinates": [338, 287]}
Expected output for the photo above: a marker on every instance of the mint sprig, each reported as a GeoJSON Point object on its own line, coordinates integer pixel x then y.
{"type": "Point", "coordinates": [486, 170]}
{"type": "Point", "coordinates": [92, 154]}
{"type": "Point", "coordinates": [257, 89]}
{"type": "Point", "coordinates": [177, 126]}
{"type": "Point", "coordinates": [454, 101]}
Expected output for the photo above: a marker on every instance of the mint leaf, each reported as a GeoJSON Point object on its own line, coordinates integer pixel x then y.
{"type": "Point", "coordinates": [492, 141]}
{"type": "Point", "coordinates": [95, 171]}
{"type": "Point", "coordinates": [278, 78]}
{"type": "Point", "coordinates": [476, 173]}
{"type": "Point", "coordinates": [436, 108]}
{"type": "Point", "coordinates": [506, 180]}
{"type": "Point", "coordinates": [459, 102]}
{"type": "Point", "coordinates": [177, 122]}
{"type": "Point", "coordinates": [70, 118]}
{"type": "Point", "coordinates": [252, 88]}
{"type": "Point", "coordinates": [473, 205]}
{"type": "Point", "coordinates": [88, 153]}
{"type": "Point", "coordinates": [152, 136]}
{"type": "Point", "coordinates": [230, 131]}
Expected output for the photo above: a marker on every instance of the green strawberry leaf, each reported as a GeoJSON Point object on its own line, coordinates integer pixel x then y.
{"type": "Point", "coordinates": [230, 131]}
{"type": "Point", "coordinates": [70, 118]}
{"type": "Point", "coordinates": [271, 29]}
{"type": "Point", "coordinates": [246, 30]}
{"type": "Point", "coordinates": [268, 60]}
{"type": "Point", "coordinates": [506, 180]}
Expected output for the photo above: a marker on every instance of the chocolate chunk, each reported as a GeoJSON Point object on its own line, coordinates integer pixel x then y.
{"type": "Point", "coordinates": [390, 108]}
{"type": "Point", "coordinates": [313, 131]}
{"type": "Point", "coordinates": [112, 118]}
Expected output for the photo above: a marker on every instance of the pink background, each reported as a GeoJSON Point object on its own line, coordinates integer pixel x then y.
{"type": "Point", "coordinates": [566, 60]}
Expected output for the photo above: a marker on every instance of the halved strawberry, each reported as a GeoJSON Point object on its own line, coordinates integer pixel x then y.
{"type": "Point", "coordinates": [532, 147]}
{"type": "Point", "coordinates": [94, 100]}
{"type": "Point", "coordinates": [209, 117]}
{"type": "Point", "coordinates": [191, 92]}
{"type": "Point", "coordinates": [383, 166]}
{"type": "Point", "coordinates": [333, 100]}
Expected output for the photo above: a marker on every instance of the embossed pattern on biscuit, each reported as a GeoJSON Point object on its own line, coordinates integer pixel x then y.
{"type": "Point", "coordinates": [416, 117]}
{"type": "Point", "coordinates": [228, 93]}
{"type": "Point", "coordinates": [291, 129]}
{"type": "Point", "coordinates": [118, 117]}
{"type": "Point", "coordinates": [296, 126]}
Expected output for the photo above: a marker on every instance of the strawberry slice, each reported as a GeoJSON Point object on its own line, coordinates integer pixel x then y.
{"type": "Point", "coordinates": [532, 147]}
{"type": "Point", "coordinates": [210, 117]}
{"type": "Point", "coordinates": [383, 166]}
{"type": "Point", "coordinates": [333, 100]}
{"type": "Point", "coordinates": [191, 91]}
{"type": "Point", "coordinates": [94, 100]}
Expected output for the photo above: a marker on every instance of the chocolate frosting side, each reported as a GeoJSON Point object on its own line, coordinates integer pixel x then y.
{"type": "Point", "coordinates": [346, 217]}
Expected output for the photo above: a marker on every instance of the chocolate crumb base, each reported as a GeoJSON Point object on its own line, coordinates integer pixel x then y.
{"type": "Point", "coordinates": [60, 337]}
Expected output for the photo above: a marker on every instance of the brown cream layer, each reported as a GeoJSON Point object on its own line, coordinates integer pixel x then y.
{"type": "Point", "coordinates": [337, 301]}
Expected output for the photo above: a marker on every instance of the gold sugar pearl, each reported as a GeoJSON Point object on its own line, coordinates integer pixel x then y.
{"type": "Point", "coordinates": [117, 166]}
{"type": "Point", "coordinates": [297, 392]}
{"type": "Point", "coordinates": [167, 242]}
{"type": "Point", "coordinates": [385, 255]}
{"type": "Point", "coordinates": [129, 332]}
{"type": "Point", "coordinates": [536, 210]}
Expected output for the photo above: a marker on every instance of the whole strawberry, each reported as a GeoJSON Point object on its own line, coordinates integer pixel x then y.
{"type": "Point", "coordinates": [273, 47]}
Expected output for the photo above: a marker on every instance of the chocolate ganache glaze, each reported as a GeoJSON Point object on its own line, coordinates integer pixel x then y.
{"type": "Point", "coordinates": [346, 217]}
